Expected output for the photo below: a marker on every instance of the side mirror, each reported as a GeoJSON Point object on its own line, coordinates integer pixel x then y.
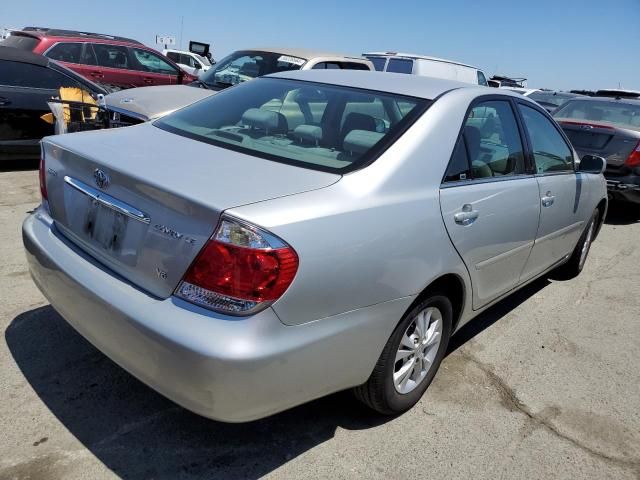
{"type": "Point", "coordinates": [592, 164]}
{"type": "Point", "coordinates": [197, 66]}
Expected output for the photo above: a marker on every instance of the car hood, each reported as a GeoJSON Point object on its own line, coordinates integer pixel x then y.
{"type": "Point", "coordinates": [148, 103]}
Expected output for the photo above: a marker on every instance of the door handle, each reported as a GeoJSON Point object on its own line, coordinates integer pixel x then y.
{"type": "Point", "coordinates": [548, 199]}
{"type": "Point", "coordinates": [467, 216]}
{"type": "Point", "coordinates": [4, 101]}
{"type": "Point", "coordinates": [148, 80]}
{"type": "Point", "coordinates": [95, 74]}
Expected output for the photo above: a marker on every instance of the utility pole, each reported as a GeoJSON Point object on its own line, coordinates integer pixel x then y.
{"type": "Point", "coordinates": [181, 27]}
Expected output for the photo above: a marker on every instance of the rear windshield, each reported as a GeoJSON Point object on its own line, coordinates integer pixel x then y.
{"type": "Point", "coordinates": [552, 98]}
{"type": "Point", "coordinates": [246, 65]}
{"type": "Point", "coordinates": [20, 41]}
{"type": "Point", "coordinates": [618, 113]}
{"type": "Point", "coordinates": [400, 65]}
{"type": "Point", "coordinates": [317, 126]}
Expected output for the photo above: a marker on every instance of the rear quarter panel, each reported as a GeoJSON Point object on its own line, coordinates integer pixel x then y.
{"type": "Point", "coordinates": [377, 234]}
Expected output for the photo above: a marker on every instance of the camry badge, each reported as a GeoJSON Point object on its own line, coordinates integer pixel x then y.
{"type": "Point", "coordinates": [102, 179]}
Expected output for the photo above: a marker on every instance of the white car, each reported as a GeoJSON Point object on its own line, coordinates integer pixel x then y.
{"type": "Point", "coordinates": [190, 62]}
{"type": "Point", "coordinates": [426, 66]}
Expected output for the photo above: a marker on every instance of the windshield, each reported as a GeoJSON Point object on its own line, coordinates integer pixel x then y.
{"type": "Point", "coordinates": [317, 126]}
{"type": "Point", "coordinates": [619, 113]}
{"type": "Point", "coordinates": [247, 65]}
{"type": "Point", "coordinates": [204, 60]}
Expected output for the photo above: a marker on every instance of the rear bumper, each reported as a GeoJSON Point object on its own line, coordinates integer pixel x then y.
{"type": "Point", "coordinates": [624, 188]}
{"type": "Point", "coordinates": [224, 368]}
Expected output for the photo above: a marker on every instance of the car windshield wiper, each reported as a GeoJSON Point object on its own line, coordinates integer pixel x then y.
{"type": "Point", "coordinates": [202, 84]}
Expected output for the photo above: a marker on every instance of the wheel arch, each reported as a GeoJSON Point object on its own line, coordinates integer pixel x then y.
{"type": "Point", "coordinates": [453, 287]}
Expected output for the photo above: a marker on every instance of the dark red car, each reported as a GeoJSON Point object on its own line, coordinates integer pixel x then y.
{"type": "Point", "coordinates": [105, 59]}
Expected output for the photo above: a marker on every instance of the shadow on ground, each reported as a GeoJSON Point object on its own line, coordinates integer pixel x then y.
{"type": "Point", "coordinates": [621, 213]}
{"type": "Point", "coordinates": [137, 433]}
{"type": "Point", "coordinates": [18, 165]}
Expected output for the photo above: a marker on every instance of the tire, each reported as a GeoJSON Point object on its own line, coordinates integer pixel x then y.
{"type": "Point", "coordinates": [578, 258]}
{"type": "Point", "coordinates": [383, 392]}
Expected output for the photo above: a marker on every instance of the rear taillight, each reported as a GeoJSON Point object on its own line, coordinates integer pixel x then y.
{"type": "Point", "coordinates": [241, 270]}
{"type": "Point", "coordinates": [43, 180]}
{"type": "Point", "coordinates": [633, 160]}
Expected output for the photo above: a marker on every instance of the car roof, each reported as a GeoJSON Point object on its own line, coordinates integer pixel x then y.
{"type": "Point", "coordinates": [399, 83]}
{"type": "Point", "coordinates": [415, 55]}
{"type": "Point", "coordinates": [586, 98]}
{"type": "Point", "coordinates": [301, 52]}
{"type": "Point", "coordinates": [23, 56]}
{"type": "Point", "coordinates": [57, 32]}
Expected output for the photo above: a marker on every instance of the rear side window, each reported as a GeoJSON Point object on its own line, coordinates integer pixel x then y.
{"type": "Point", "coordinates": [150, 62]}
{"type": "Point", "coordinates": [33, 76]}
{"type": "Point", "coordinates": [550, 151]}
{"type": "Point", "coordinates": [317, 126]}
{"type": "Point", "coordinates": [327, 66]}
{"type": "Point", "coordinates": [482, 80]}
{"type": "Point", "coordinates": [174, 56]}
{"type": "Point", "coordinates": [20, 41]}
{"type": "Point", "coordinates": [112, 56]}
{"type": "Point", "coordinates": [400, 65]}
{"type": "Point", "coordinates": [354, 66]}
{"type": "Point", "coordinates": [66, 52]}
{"type": "Point", "coordinates": [490, 145]}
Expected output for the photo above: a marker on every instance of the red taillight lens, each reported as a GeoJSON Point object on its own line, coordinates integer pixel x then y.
{"type": "Point", "coordinates": [43, 180]}
{"type": "Point", "coordinates": [239, 270]}
{"type": "Point", "coordinates": [634, 159]}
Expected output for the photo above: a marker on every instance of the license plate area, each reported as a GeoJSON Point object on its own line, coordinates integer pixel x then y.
{"type": "Point", "coordinates": [102, 223]}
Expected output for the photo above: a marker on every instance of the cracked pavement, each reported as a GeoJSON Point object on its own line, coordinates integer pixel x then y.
{"type": "Point", "coordinates": [545, 384]}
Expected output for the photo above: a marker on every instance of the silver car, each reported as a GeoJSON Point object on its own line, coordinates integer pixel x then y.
{"type": "Point", "coordinates": [306, 233]}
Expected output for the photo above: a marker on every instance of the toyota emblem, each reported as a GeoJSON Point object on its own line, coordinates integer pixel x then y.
{"type": "Point", "coordinates": [102, 179]}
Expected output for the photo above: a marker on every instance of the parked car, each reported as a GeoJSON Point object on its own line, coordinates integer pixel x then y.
{"type": "Point", "coordinates": [143, 104]}
{"type": "Point", "coordinates": [550, 100]}
{"type": "Point", "coordinates": [241, 266]}
{"type": "Point", "coordinates": [610, 128]}
{"type": "Point", "coordinates": [190, 62]}
{"type": "Point", "coordinates": [426, 66]}
{"type": "Point", "coordinates": [27, 82]}
{"type": "Point", "coordinates": [113, 61]}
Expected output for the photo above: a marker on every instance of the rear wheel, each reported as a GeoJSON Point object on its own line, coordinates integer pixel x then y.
{"type": "Point", "coordinates": [578, 258]}
{"type": "Point", "coordinates": [410, 358]}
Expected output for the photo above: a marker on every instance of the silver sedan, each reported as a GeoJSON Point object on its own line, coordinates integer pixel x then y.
{"type": "Point", "coordinates": [306, 233]}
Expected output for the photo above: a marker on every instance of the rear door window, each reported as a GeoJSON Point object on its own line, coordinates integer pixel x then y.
{"type": "Point", "coordinates": [550, 151]}
{"type": "Point", "coordinates": [34, 76]}
{"type": "Point", "coordinates": [492, 144]}
{"type": "Point", "coordinates": [66, 52]}
{"type": "Point", "coordinates": [112, 56]}
{"type": "Point", "coordinates": [400, 65]}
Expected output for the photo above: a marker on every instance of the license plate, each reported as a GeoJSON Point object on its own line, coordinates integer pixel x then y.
{"type": "Point", "coordinates": [101, 228]}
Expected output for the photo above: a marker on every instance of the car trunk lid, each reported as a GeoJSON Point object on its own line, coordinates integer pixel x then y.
{"type": "Point", "coordinates": [143, 201]}
{"type": "Point", "coordinates": [613, 143]}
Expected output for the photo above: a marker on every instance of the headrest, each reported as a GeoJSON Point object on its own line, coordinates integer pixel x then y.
{"type": "Point", "coordinates": [308, 133]}
{"type": "Point", "coordinates": [360, 141]}
{"type": "Point", "coordinates": [264, 120]}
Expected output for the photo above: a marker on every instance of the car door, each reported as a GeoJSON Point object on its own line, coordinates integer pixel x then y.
{"type": "Point", "coordinates": [154, 69]}
{"type": "Point", "coordinates": [24, 92]}
{"type": "Point", "coordinates": [562, 198]}
{"type": "Point", "coordinates": [115, 66]}
{"type": "Point", "coordinates": [490, 200]}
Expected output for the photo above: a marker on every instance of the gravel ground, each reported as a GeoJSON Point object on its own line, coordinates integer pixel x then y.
{"type": "Point", "coordinates": [544, 385]}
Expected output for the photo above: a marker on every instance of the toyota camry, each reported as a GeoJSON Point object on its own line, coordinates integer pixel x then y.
{"type": "Point", "coordinates": [305, 233]}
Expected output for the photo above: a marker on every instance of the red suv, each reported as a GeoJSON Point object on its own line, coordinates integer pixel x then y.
{"type": "Point", "coordinates": [105, 59]}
